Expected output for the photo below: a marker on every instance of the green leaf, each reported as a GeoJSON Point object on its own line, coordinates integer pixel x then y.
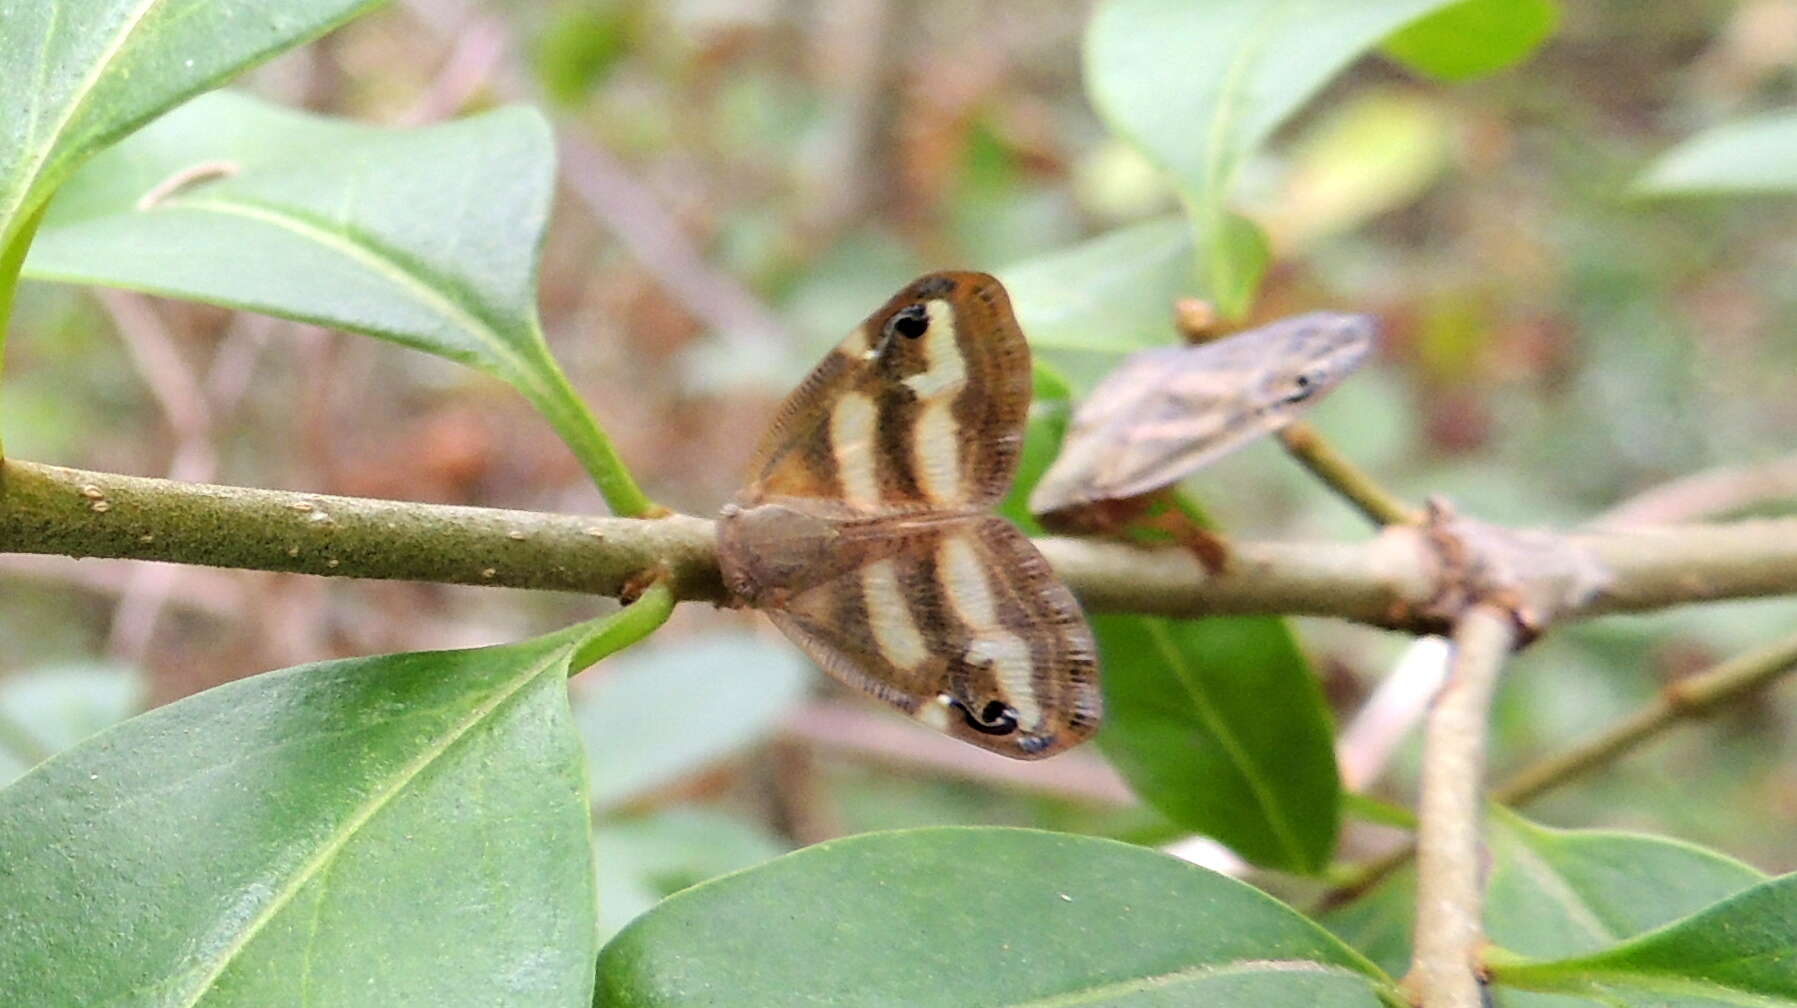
{"type": "Point", "coordinates": [1237, 259]}
{"type": "Point", "coordinates": [1756, 155]}
{"type": "Point", "coordinates": [1474, 38]}
{"type": "Point", "coordinates": [1199, 87]}
{"type": "Point", "coordinates": [403, 829]}
{"type": "Point", "coordinates": [1381, 922]}
{"type": "Point", "coordinates": [1111, 294]}
{"type": "Point", "coordinates": [1551, 892]}
{"type": "Point", "coordinates": [642, 861]}
{"type": "Point", "coordinates": [958, 916]}
{"type": "Point", "coordinates": [425, 237]}
{"type": "Point", "coordinates": [1735, 952]}
{"type": "Point", "coordinates": [664, 711]}
{"type": "Point", "coordinates": [1558, 892]}
{"type": "Point", "coordinates": [45, 710]}
{"type": "Point", "coordinates": [80, 74]}
{"type": "Point", "coordinates": [1220, 725]}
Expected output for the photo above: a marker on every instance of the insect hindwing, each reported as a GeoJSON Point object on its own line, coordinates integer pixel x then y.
{"type": "Point", "coordinates": [863, 531]}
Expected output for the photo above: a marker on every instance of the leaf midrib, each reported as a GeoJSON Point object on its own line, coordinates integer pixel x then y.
{"type": "Point", "coordinates": [1107, 993]}
{"type": "Point", "coordinates": [75, 105]}
{"type": "Point", "coordinates": [1556, 887]}
{"type": "Point", "coordinates": [376, 261]}
{"type": "Point", "coordinates": [328, 851]}
{"type": "Point", "coordinates": [1282, 831]}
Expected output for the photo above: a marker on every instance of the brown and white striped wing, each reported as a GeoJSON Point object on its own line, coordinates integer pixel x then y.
{"type": "Point", "coordinates": [920, 408]}
{"type": "Point", "coordinates": [962, 626]}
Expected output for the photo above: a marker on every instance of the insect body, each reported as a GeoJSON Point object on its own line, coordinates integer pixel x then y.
{"type": "Point", "coordinates": [864, 531]}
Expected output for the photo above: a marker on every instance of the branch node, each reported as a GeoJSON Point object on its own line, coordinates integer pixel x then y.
{"type": "Point", "coordinates": [1532, 574]}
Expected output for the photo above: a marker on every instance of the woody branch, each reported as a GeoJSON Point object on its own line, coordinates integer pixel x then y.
{"type": "Point", "coordinates": [1394, 579]}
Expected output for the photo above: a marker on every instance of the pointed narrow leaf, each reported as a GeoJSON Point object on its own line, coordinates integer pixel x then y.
{"type": "Point", "coordinates": [426, 237]}
{"type": "Point", "coordinates": [1751, 156]}
{"type": "Point", "coordinates": [80, 74]}
{"type": "Point", "coordinates": [1221, 726]}
{"type": "Point", "coordinates": [405, 829]}
{"type": "Point", "coordinates": [952, 917]}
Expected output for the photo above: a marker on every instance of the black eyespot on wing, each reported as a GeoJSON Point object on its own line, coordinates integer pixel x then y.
{"type": "Point", "coordinates": [910, 322]}
{"type": "Point", "coordinates": [993, 719]}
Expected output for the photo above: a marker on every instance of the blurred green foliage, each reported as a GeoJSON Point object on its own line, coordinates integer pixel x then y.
{"type": "Point", "coordinates": [1575, 224]}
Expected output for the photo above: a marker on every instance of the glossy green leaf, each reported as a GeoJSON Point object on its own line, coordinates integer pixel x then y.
{"type": "Point", "coordinates": [45, 710]}
{"type": "Point", "coordinates": [1756, 155]}
{"type": "Point", "coordinates": [1553, 892]}
{"type": "Point", "coordinates": [1739, 951]}
{"type": "Point", "coordinates": [663, 711]}
{"type": "Point", "coordinates": [1474, 37]}
{"type": "Point", "coordinates": [80, 74]}
{"type": "Point", "coordinates": [426, 237]}
{"type": "Point", "coordinates": [957, 916]}
{"type": "Point", "coordinates": [1221, 725]}
{"type": "Point", "coordinates": [1200, 86]}
{"type": "Point", "coordinates": [643, 860]}
{"type": "Point", "coordinates": [404, 829]}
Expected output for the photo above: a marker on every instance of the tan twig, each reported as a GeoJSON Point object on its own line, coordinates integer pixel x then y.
{"type": "Point", "coordinates": [1393, 580]}
{"type": "Point", "coordinates": [1354, 484]}
{"type": "Point", "coordinates": [1707, 494]}
{"type": "Point", "coordinates": [1449, 895]}
{"type": "Point", "coordinates": [1690, 697]}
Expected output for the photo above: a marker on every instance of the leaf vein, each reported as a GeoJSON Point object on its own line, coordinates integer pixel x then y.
{"type": "Point", "coordinates": [328, 851]}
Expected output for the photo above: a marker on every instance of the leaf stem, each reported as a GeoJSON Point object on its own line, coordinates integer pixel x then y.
{"type": "Point", "coordinates": [1449, 896]}
{"type": "Point", "coordinates": [1379, 505]}
{"type": "Point", "coordinates": [12, 259]}
{"type": "Point", "coordinates": [568, 414]}
{"type": "Point", "coordinates": [625, 627]}
{"type": "Point", "coordinates": [1689, 697]}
